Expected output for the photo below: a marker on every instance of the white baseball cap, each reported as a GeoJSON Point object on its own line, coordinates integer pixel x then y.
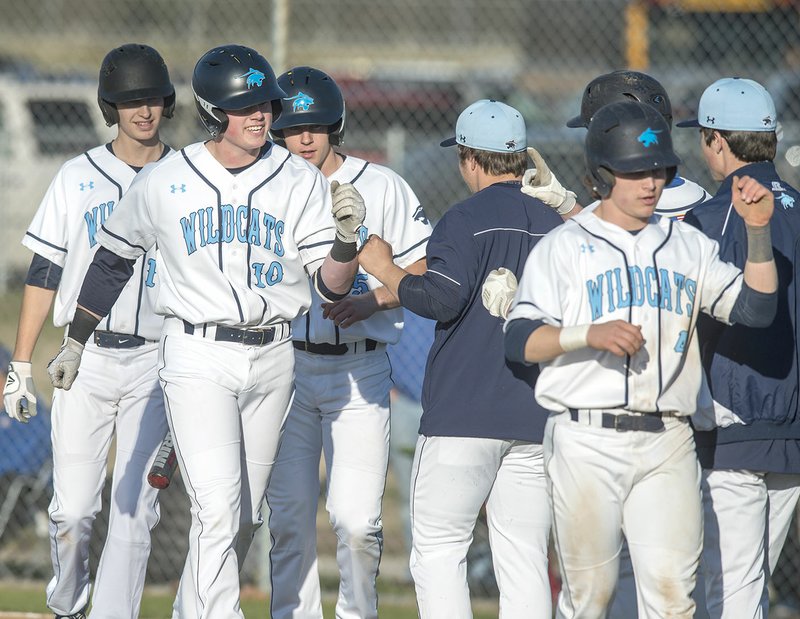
{"type": "Point", "coordinates": [490, 125]}
{"type": "Point", "coordinates": [735, 104]}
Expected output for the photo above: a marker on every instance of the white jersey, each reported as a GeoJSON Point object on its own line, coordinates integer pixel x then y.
{"type": "Point", "coordinates": [234, 249]}
{"type": "Point", "coordinates": [659, 279]}
{"type": "Point", "coordinates": [393, 213]}
{"type": "Point", "coordinates": [64, 230]}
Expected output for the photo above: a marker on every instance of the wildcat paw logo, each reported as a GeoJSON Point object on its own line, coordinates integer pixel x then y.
{"type": "Point", "coordinates": [301, 102]}
{"type": "Point", "coordinates": [419, 215]}
{"type": "Point", "coordinates": [786, 200]}
{"type": "Point", "coordinates": [648, 137]}
{"type": "Point", "coordinates": [254, 77]}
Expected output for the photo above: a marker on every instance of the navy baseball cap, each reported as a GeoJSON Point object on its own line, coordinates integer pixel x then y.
{"type": "Point", "coordinates": [735, 104]}
{"type": "Point", "coordinates": [490, 125]}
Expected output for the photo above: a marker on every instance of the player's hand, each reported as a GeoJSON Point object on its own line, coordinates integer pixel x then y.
{"type": "Point", "coordinates": [348, 211]}
{"type": "Point", "coordinates": [617, 337]}
{"type": "Point", "coordinates": [754, 202]}
{"type": "Point", "coordinates": [63, 369]}
{"type": "Point", "coordinates": [350, 310]}
{"type": "Point", "coordinates": [19, 394]}
{"type": "Point", "coordinates": [374, 254]}
{"type": "Point", "coordinates": [539, 182]}
{"type": "Point", "coordinates": [498, 292]}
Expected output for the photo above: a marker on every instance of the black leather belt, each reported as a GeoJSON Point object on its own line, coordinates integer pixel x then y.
{"type": "Point", "coordinates": [109, 339]}
{"type": "Point", "coordinates": [248, 337]}
{"type": "Point", "coordinates": [336, 349]}
{"type": "Point", "coordinates": [646, 422]}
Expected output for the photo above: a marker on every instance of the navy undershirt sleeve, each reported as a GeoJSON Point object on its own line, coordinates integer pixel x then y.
{"type": "Point", "coordinates": [753, 308]}
{"type": "Point", "coordinates": [43, 273]}
{"type": "Point", "coordinates": [516, 337]}
{"type": "Point", "coordinates": [429, 299]}
{"type": "Point", "coordinates": [106, 277]}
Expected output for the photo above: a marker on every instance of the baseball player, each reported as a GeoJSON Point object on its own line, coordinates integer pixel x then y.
{"type": "Point", "coordinates": [749, 447]}
{"type": "Point", "coordinates": [480, 435]}
{"type": "Point", "coordinates": [240, 225]}
{"type": "Point", "coordinates": [607, 306]}
{"type": "Point", "coordinates": [118, 394]}
{"type": "Point", "coordinates": [678, 197]}
{"type": "Point", "coordinates": [343, 377]}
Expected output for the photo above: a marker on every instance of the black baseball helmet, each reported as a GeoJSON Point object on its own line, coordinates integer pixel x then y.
{"type": "Point", "coordinates": [130, 72]}
{"type": "Point", "coordinates": [233, 77]}
{"type": "Point", "coordinates": [622, 85]}
{"type": "Point", "coordinates": [313, 98]}
{"type": "Point", "coordinates": [627, 136]}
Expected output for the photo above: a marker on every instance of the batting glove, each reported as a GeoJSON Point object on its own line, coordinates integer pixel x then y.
{"type": "Point", "coordinates": [539, 182]}
{"type": "Point", "coordinates": [63, 369]}
{"type": "Point", "coordinates": [348, 211]}
{"type": "Point", "coordinates": [18, 395]}
{"type": "Point", "coordinates": [498, 292]}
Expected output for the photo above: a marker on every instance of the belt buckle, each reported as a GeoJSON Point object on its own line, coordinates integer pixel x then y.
{"type": "Point", "coordinates": [621, 423]}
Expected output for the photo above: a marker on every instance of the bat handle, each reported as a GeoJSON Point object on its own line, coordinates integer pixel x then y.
{"type": "Point", "coordinates": [164, 465]}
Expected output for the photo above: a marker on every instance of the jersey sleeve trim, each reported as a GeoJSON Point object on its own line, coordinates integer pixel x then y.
{"type": "Point", "coordinates": [41, 240]}
{"type": "Point", "coordinates": [450, 279]}
{"type": "Point", "coordinates": [528, 232]}
{"type": "Point", "coordinates": [122, 240]}
{"type": "Point", "coordinates": [713, 306]}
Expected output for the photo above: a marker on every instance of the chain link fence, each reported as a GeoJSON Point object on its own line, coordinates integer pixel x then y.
{"type": "Point", "coordinates": [407, 68]}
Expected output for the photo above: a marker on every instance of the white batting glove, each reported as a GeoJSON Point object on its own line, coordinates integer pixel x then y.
{"type": "Point", "coordinates": [63, 369]}
{"type": "Point", "coordinates": [348, 211]}
{"type": "Point", "coordinates": [498, 292]}
{"type": "Point", "coordinates": [19, 396]}
{"type": "Point", "coordinates": [539, 182]}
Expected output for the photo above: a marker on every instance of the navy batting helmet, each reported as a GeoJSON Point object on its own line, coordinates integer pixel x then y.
{"type": "Point", "coordinates": [131, 72]}
{"type": "Point", "coordinates": [622, 85]}
{"type": "Point", "coordinates": [627, 137]}
{"type": "Point", "coordinates": [313, 98]}
{"type": "Point", "coordinates": [232, 77]}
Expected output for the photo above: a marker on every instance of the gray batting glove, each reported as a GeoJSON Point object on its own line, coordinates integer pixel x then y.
{"type": "Point", "coordinates": [348, 211]}
{"type": "Point", "coordinates": [539, 182]}
{"type": "Point", "coordinates": [63, 369]}
{"type": "Point", "coordinates": [18, 395]}
{"type": "Point", "coordinates": [498, 292]}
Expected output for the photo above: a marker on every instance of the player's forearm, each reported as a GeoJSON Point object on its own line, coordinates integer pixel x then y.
{"type": "Point", "coordinates": [338, 276]}
{"type": "Point", "coordinates": [35, 309]}
{"type": "Point", "coordinates": [385, 298]}
{"type": "Point", "coordinates": [543, 344]}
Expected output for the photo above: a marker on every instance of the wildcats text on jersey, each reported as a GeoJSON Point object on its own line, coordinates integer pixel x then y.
{"type": "Point", "coordinates": [669, 290]}
{"type": "Point", "coordinates": [101, 211]}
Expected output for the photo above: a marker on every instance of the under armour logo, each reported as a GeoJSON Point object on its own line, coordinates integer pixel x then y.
{"type": "Point", "coordinates": [587, 248]}
{"type": "Point", "coordinates": [776, 186]}
{"type": "Point", "coordinates": [419, 215]}
{"type": "Point", "coordinates": [710, 120]}
{"type": "Point", "coordinates": [176, 188]}
{"type": "Point", "coordinates": [85, 186]}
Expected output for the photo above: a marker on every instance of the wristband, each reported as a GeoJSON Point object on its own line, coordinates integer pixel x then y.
{"type": "Point", "coordinates": [568, 204]}
{"type": "Point", "coordinates": [759, 243]}
{"type": "Point", "coordinates": [343, 251]}
{"type": "Point", "coordinates": [82, 326]}
{"type": "Point", "coordinates": [574, 338]}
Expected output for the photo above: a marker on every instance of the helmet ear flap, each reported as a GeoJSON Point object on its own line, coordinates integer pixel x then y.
{"type": "Point", "coordinates": [601, 180]}
{"type": "Point", "coordinates": [169, 106]}
{"type": "Point", "coordinates": [109, 110]}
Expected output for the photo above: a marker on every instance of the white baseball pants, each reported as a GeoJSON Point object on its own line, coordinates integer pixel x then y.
{"type": "Point", "coordinates": [226, 403]}
{"type": "Point", "coordinates": [452, 478]}
{"type": "Point", "coordinates": [116, 392]}
{"type": "Point", "coordinates": [645, 484]}
{"type": "Point", "coordinates": [747, 518]}
{"type": "Point", "coordinates": [341, 409]}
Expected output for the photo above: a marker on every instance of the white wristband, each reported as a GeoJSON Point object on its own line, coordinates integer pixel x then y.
{"type": "Point", "coordinates": [568, 204]}
{"type": "Point", "coordinates": [574, 338]}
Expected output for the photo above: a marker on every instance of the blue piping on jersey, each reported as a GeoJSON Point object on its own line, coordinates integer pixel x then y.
{"type": "Point", "coordinates": [410, 249]}
{"type": "Point", "coordinates": [43, 242]}
{"type": "Point", "coordinates": [528, 232]}
{"type": "Point", "coordinates": [445, 276]}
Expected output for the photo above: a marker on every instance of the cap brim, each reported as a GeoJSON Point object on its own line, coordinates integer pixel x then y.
{"type": "Point", "coordinates": [575, 123]}
{"type": "Point", "coordinates": [688, 123]}
{"type": "Point", "coordinates": [448, 142]}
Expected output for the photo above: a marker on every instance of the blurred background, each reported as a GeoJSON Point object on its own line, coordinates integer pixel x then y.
{"type": "Point", "coordinates": [407, 68]}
